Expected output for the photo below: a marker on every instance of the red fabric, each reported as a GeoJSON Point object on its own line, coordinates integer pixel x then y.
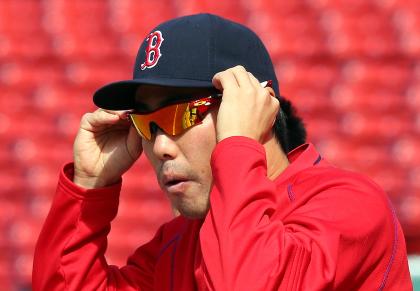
{"type": "Point", "coordinates": [315, 227]}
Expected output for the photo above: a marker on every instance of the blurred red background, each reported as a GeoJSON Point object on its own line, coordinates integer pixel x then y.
{"type": "Point", "coordinates": [352, 68]}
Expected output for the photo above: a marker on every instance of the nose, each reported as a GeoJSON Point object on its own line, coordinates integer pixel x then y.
{"type": "Point", "coordinates": [164, 146]}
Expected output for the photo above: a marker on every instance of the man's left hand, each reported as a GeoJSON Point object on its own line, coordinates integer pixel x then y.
{"type": "Point", "coordinates": [247, 109]}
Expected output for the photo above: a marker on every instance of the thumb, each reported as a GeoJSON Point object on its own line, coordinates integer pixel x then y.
{"type": "Point", "coordinates": [134, 143]}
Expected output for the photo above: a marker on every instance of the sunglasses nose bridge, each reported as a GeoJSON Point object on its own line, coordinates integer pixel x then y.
{"type": "Point", "coordinates": [153, 127]}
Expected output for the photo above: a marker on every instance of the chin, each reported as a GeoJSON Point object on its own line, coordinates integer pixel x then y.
{"type": "Point", "coordinates": [193, 211]}
{"type": "Point", "coordinates": [194, 204]}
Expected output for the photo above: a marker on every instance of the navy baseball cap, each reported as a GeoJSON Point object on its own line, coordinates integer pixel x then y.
{"type": "Point", "coordinates": [187, 52]}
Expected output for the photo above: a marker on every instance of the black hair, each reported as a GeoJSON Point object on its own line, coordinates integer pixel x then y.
{"type": "Point", "coordinates": [289, 128]}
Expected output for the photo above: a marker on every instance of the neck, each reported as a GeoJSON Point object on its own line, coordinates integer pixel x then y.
{"type": "Point", "coordinates": [277, 160]}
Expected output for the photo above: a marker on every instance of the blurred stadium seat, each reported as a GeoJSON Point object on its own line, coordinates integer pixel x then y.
{"type": "Point", "coordinates": [351, 68]}
{"type": "Point", "coordinates": [138, 16]}
{"type": "Point", "coordinates": [233, 10]}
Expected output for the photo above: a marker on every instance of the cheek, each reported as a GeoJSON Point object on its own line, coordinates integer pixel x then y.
{"type": "Point", "coordinates": [201, 141]}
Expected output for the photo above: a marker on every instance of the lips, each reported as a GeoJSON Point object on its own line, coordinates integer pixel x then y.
{"type": "Point", "coordinates": [174, 182]}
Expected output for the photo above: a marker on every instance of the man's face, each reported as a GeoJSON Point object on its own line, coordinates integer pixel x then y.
{"type": "Point", "coordinates": [182, 162]}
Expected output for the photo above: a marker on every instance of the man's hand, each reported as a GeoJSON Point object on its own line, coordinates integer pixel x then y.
{"type": "Point", "coordinates": [105, 147]}
{"type": "Point", "coordinates": [247, 109]}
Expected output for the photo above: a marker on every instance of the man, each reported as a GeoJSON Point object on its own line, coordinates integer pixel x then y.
{"type": "Point", "coordinates": [254, 214]}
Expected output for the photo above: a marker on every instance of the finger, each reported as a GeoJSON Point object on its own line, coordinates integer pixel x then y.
{"type": "Point", "coordinates": [271, 91]}
{"type": "Point", "coordinates": [123, 114]}
{"type": "Point", "coordinates": [100, 117]}
{"type": "Point", "coordinates": [276, 104]}
{"type": "Point", "coordinates": [224, 80]}
{"type": "Point", "coordinates": [262, 85]}
{"type": "Point", "coordinates": [254, 80]}
{"type": "Point", "coordinates": [241, 76]}
{"type": "Point", "coordinates": [113, 112]}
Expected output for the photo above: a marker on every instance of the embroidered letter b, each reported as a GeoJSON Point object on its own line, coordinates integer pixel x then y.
{"type": "Point", "coordinates": [153, 54]}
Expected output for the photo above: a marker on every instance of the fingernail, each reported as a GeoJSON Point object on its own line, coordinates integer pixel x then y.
{"type": "Point", "coordinates": [124, 115]}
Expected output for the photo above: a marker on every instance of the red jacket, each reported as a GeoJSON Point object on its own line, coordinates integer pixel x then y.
{"type": "Point", "coordinates": [315, 227]}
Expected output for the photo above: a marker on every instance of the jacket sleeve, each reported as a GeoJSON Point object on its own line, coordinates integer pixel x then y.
{"type": "Point", "coordinates": [69, 254]}
{"type": "Point", "coordinates": [252, 240]}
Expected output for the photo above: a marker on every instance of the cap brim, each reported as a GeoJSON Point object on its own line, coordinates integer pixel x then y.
{"type": "Point", "coordinates": [121, 95]}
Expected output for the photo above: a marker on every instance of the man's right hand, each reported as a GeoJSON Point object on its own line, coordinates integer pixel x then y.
{"type": "Point", "coordinates": [106, 146]}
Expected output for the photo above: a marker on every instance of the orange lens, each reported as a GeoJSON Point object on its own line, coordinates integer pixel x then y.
{"type": "Point", "coordinates": [173, 119]}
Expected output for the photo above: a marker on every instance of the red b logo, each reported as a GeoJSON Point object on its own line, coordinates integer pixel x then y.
{"type": "Point", "coordinates": [154, 41]}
